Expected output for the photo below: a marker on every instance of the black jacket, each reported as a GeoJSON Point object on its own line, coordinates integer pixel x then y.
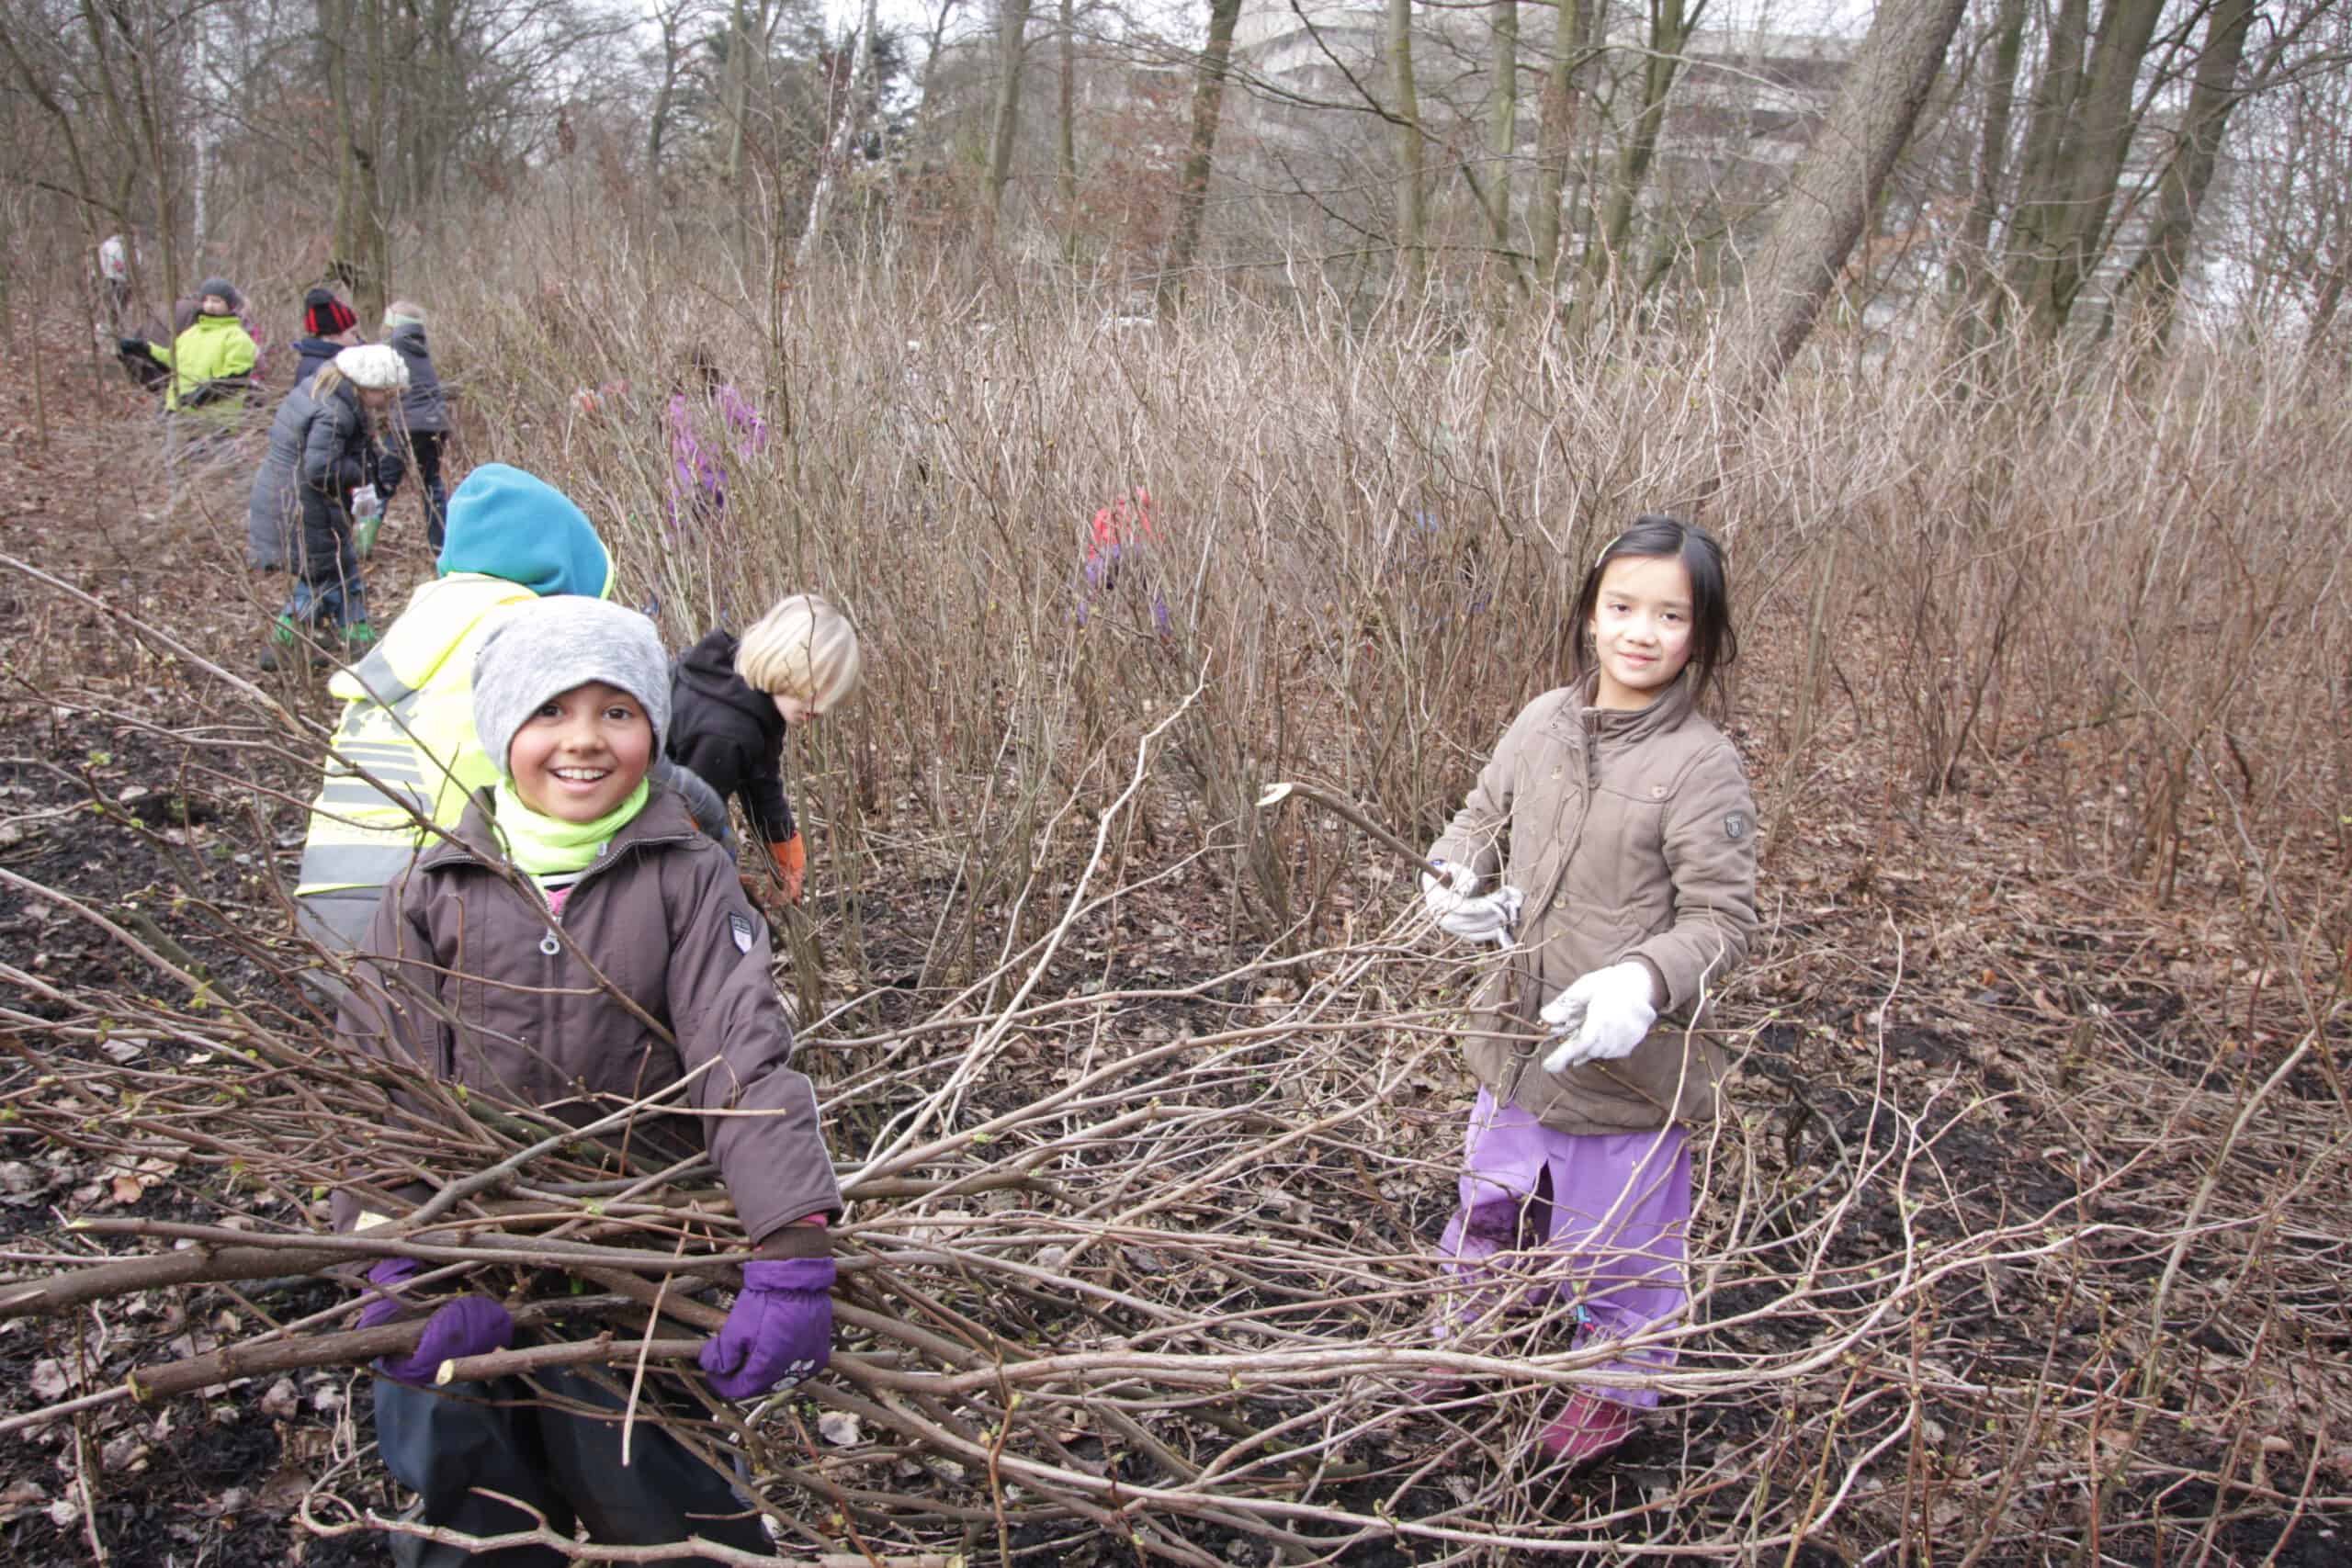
{"type": "Point", "coordinates": [728, 734]}
{"type": "Point", "coordinates": [425, 409]}
{"type": "Point", "coordinates": [309, 354]}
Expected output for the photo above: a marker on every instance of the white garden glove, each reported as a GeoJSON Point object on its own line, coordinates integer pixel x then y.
{"type": "Point", "coordinates": [1610, 1013]}
{"type": "Point", "coordinates": [365, 503]}
{"type": "Point", "coordinates": [1475, 916]}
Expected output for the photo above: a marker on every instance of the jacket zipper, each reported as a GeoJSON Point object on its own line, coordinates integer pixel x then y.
{"type": "Point", "coordinates": [1524, 1053]}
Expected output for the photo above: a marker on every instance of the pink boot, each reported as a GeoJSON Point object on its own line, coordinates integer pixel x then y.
{"type": "Point", "coordinates": [1586, 1429]}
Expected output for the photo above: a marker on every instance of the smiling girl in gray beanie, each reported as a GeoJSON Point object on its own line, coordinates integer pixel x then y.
{"type": "Point", "coordinates": [535, 996]}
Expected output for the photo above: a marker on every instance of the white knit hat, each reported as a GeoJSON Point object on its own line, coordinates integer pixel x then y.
{"type": "Point", "coordinates": [375, 366]}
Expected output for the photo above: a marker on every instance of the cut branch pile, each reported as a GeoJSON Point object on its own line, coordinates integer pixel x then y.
{"type": "Point", "coordinates": [1158, 1262]}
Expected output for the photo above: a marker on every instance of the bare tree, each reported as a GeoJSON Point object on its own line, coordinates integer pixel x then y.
{"type": "Point", "coordinates": [1671, 24]}
{"type": "Point", "coordinates": [2076, 143]}
{"type": "Point", "coordinates": [1838, 186]}
{"type": "Point", "coordinates": [2155, 277]}
{"type": "Point", "coordinates": [1412, 194]}
{"type": "Point", "coordinates": [1972, 273]}
{"type": "Point", "coordinates": [673, 18]}
{"type": "Point", "coordinates": [1065, 133]}
{"type": "Point", "coordinates": [1208, 107]}
{"type": "Point", "coordinates": [1012, 24]}
{"type": "Point", "coordinates": [1563, 97]}
{"type": "Point", "coordinates": [1502, 123]}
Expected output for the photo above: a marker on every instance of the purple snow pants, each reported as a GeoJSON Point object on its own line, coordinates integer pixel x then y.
{"type": "Point", "coordinates": [1608, 1209]}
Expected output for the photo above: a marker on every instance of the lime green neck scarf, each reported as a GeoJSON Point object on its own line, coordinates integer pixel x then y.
{"type": "Point", "coordinates": [540, 845]}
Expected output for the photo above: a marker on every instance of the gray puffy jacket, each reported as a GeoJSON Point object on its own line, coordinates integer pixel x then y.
{"type": "Point", "coordinates": [318, 450]}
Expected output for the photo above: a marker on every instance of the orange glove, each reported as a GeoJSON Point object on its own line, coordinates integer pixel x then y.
{"type": "Point", "coordinates": [791, 864]}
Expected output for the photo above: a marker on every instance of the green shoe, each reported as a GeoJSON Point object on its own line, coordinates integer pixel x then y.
{"type": "Point", "coordinates": [297, 644]}
{"type": "Point", "coordinates": [280, 647]}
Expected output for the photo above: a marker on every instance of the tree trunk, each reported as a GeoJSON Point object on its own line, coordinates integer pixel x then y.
{"type": "Point", "coordinates": [2075, 147]}
{"type": "Point", "coordinates": [1669, 30]}
{"type": "Point", "coordinates": [374, 220]}
{"type": "Point", "coordinates": [658, 121]}
{"type": "Point", "coordinates": [2103, 127]}
{"type": "Point", "coordinates": [1555, 140]}
{"type": "Point", "coordinates": [1066, 136]}
{"type": "Point", "coordinates": [846, 129]}
{"type": "Point", "coordinates": [1412, 197]}
{"type": "Point", "coordinates": [1838, 186]}
{"type": "Point", "coordinates": [2154, 279]}
{"type": "Point", "coordinates": [734, 90]}
{"type": "Point", "coordinates": [933, 41]}
{"type": "Point", "coordinates": [1503, 125]}
{"type": "Point", "coordinates": [1972, 270]}
{"type": "Point", "coordinates": [131, 105]}
{"type": "Point", "coordinates": [1012, 21]}
{"type": "Point", "coordinates": [1208, 107]}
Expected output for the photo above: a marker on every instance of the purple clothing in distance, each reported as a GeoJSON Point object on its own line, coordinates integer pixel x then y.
{"type": "Point", "coordinates": [698, 455]}
{"type": "Point", "coordinates": [1611, 1210]}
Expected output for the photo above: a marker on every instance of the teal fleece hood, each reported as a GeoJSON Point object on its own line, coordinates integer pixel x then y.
{"type": "Point", "coordinates": [504, 523]}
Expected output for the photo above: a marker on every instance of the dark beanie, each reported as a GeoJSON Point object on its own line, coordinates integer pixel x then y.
{"type": "Point", "coordinates": [324, 315]}
{"type": "Point", "coordinates": [223, 287]}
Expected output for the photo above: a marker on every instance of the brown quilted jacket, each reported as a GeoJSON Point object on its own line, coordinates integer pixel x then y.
{"type": "Point", "coordinates": [467, 983]}
{"type": "Point", "coordinates": [1633, 835]}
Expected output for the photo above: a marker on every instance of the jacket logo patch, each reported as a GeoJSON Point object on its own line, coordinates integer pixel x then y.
{"type": "Point", "coordinates": [739, 928]}
{"type": "Point", "coordinates": [1735, 826]}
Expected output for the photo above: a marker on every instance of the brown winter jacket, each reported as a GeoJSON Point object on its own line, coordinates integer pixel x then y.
{"type": "Point", "coordinates": [1633, 835]}
{"type": "Point", "coordinates": [663, 916]}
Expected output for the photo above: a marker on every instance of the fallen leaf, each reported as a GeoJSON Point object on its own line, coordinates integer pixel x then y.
{"type": "Point", "coordinates": [123, 1454]}
{"type": "Point", "coordinates": [51, 1378]}
{"type": "Point", "coordinates": [840, 1428]}
{"type": "Point", "coordinates": [284, 1491]}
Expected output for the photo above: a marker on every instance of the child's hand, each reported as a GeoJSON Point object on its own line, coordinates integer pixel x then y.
{"type": "Point", "coordinates": [780, 1331]}
{"type": "Point", "coordinates": [1611, 1009]}
{"type": "Point", "coordinates": [766, 897]}
{"type": "Point", "coordinates": [1474, 916]}
{"type": "Point", "coordinates": [471, 1326]}
{"type": "Point", "coordinates": [791, 866]}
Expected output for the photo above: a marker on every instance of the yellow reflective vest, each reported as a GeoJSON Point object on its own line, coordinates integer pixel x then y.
{"type": "Point", "coordinates": [404, 753]}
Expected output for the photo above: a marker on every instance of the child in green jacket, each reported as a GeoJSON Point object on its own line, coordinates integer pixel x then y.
{"type": "Point", "coordinates": [212, 362]}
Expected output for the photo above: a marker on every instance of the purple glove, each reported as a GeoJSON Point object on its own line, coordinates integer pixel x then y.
{"type": "Point", "coordinates": [471, 1326]}
{"type": "Point", "coordinates": [384, 1303]}
{"type": "Point", "coordinates": [780, 1331]}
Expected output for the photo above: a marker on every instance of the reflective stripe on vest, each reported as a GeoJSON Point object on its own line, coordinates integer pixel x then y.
{"type": "Point", "coordinates": [363, 830]}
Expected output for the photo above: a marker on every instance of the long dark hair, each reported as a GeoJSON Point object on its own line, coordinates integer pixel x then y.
{"type": "Point", "coordinates": [1713, 645]}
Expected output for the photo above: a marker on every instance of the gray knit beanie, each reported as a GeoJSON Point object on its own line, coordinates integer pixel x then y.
{"type": "Point", "coordinates": [549, 645]}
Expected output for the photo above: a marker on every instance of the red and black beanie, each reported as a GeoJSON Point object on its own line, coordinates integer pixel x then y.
{"type": "Point", "coordinates": [324, 315]}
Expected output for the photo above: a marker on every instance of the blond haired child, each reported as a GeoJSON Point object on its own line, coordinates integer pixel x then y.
{"type": "Point", "coordinates": [731, 699]}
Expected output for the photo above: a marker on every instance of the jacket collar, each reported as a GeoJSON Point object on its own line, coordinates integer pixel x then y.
{"type": "Point", "coordinates": [1580, 723]}
{"type": "Point", "coordinates": [474, 841]}
{"type": "Point", "coordinates": [1627, 726]}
